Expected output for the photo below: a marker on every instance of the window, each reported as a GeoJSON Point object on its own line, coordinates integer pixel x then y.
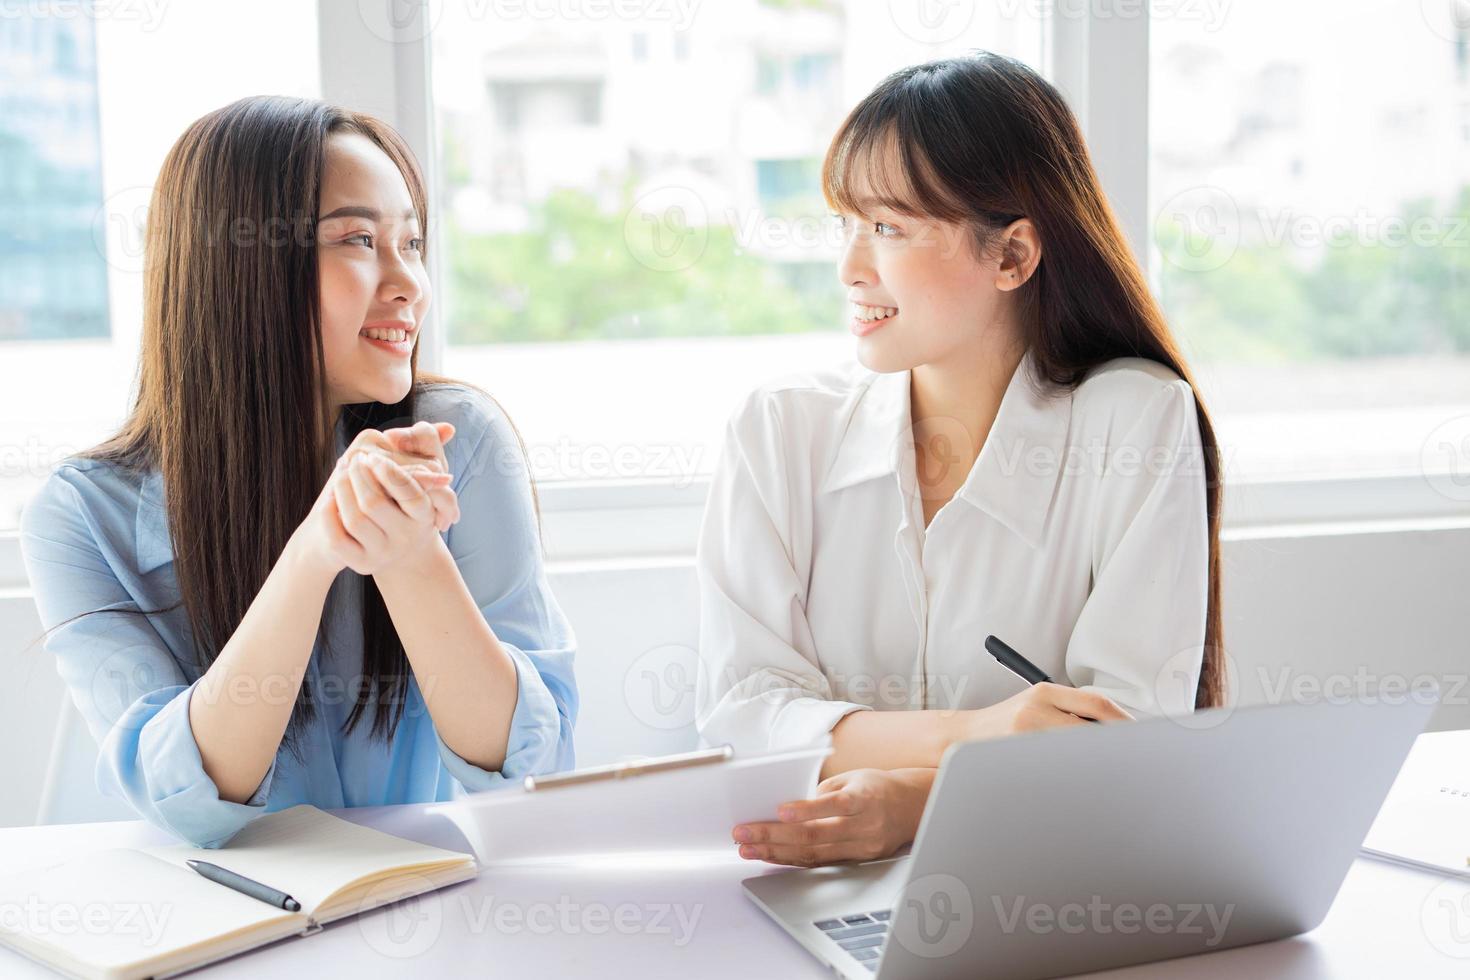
{"type": "Point", "coordinates": [631, 235]}
{"type": "Point", "coordinates": [91, 99]}
{"type": "Point", "coordinates": [53, 278]}
{"type": "Point", "coordinates": [646, 240]}
{"type": "Point", "coordinates": [1311, 241]}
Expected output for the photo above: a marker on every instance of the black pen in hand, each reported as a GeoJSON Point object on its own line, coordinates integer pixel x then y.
{"type": "Point", "coordinates": [1020, 666]}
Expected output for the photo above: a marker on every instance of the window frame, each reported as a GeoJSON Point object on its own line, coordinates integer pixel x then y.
{"type": "Point", "coordinates": [1102, 66]}
{"type": "Point", "coordinates": [617, 523]}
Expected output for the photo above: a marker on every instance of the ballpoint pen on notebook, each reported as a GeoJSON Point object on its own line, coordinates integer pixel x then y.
{"type": "Point", "coordinates": [245, 885]}
{"type": "Point", "coordinates": [1020, 666]}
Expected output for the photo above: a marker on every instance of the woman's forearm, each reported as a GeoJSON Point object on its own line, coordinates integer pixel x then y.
{"type": "Point", "coordinates": [241, 706]}
{"type": "Point", "coordinates": [466, 677]}
{"type": "Point", "coordinates": [896, 739]}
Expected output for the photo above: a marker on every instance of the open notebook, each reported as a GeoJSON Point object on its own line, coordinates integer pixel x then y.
{"type": "Point", "coordinates": [130, 913]}
{"type": "Point", "coordinates": [1425, 821]}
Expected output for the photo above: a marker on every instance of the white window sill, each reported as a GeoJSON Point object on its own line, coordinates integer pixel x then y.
{"type": "Point", "coordinates": [614, 524]}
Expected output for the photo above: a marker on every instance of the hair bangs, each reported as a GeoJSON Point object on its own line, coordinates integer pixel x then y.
{"type": "Point", "coordinates": [877, 160]}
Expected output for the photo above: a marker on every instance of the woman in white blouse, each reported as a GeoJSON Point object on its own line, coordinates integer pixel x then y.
{"type": "Point", "coordinates": [1021, 454]}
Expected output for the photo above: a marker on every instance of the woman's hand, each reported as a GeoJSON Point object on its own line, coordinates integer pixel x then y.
{"type": "Point", "coordinates": [323, 539]}
{"type": "Point", "coordinates": [1042, 706]}
{"type": "Point", "coordinates": [385, 511]}
{"type": "Point", "coordinates": [422, 442]}
{"type": "Point", "coordinates": [858, 815]}
{"type": "Point", "coordinates": [415, 448]}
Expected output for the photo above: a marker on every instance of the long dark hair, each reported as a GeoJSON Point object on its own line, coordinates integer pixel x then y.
{"type": "Point", "coordinates": [983, 140]}
{"type": "Point", "coordinates": [231, 406]}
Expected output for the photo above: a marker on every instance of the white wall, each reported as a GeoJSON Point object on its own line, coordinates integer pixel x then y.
{"type": "Point", "coordinates": [1332, 606]}
{"type": "Point", "coordinates": [1304, 608]}
{"type": "Point", "coordinates": [28, 708]}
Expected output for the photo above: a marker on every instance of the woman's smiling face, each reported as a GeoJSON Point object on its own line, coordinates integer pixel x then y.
{"type": "Point", "coordinates": [919, 290]}
{"type": "Point", "coordinates": [374, 284]}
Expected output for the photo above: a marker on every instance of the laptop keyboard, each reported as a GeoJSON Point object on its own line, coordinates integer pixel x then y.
{"type": "Point", "coordinates": [862, 935]}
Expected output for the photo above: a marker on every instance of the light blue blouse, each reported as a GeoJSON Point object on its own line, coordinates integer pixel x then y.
{"type": "Point", "coordinates": [96, 536]}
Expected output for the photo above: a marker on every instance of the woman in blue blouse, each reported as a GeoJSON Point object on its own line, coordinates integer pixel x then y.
{"type": "Point", "coordinates": [301, 572]}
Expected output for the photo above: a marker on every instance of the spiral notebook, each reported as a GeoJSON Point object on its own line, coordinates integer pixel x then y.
{"type": "Point", "coordinates": [122, 914]}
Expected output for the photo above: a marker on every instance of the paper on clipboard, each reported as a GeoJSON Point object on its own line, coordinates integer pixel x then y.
{"type": "Point", "coordinates": [673, 810]}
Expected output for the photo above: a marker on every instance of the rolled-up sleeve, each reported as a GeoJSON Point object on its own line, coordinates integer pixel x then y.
{"type": "Point", "coordinates": [1140, 637]}
{"type": "Point", "coordinates": [497, 547]}
{"type": "Point", "coordinates": [759, 687]}
{"type": "Point", "coordinates": [540, 730]}
{"type": "Point", "coordinates": [125, 682]}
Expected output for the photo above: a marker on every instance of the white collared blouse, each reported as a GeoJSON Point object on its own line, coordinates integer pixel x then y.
{"type": "Point", "coordinates": [1079, 537]}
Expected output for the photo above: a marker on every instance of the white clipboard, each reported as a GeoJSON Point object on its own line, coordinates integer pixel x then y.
{"type": "Point", "coordinates": [688, 802]}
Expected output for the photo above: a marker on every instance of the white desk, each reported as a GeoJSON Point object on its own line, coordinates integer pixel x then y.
{"type": "Point", "coordinates": [604, 921]}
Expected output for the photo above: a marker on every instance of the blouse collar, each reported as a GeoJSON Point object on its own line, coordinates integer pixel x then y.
{"type": "Point", "coordinates": [1016, 474]}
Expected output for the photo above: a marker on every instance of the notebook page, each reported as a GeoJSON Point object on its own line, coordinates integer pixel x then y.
{"type": "Point", "coordinates": [309, 854]}
{"type": "Point", "coordinates": [117, 907]}
{"type": "Point", "coordinates": [1424, 818]}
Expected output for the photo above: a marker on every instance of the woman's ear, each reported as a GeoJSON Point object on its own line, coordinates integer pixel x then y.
{"type": "Point", "coordinates": [1020, 254]}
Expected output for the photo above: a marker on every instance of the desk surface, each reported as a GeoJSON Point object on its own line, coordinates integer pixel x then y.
{"type": "Point", "coordinates": [688, 917]}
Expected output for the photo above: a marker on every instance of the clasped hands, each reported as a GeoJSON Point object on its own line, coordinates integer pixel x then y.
{"type": "Point", "coordinates": [389, 497]}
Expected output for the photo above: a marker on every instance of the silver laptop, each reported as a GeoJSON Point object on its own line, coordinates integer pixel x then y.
{"type": "Point", "coordinates": [1098, 846]}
